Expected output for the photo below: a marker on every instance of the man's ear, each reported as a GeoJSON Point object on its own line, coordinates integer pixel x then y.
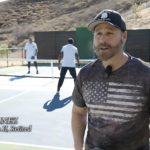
{"type": "Point", "coordinates": [124, 37]}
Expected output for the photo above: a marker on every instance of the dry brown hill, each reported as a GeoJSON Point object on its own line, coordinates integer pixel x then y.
{"type": "Point", "coordinates": [140, 20]}
{"type": "Point", "coordinates": [20, 18]}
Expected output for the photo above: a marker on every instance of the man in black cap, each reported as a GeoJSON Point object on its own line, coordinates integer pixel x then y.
{"type": "Point", "coordinates": [68, 55]}
{"type": "Point", "coordinates": [113, 91]}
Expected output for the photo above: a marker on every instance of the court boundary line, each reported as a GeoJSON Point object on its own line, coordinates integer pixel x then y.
{"type": "Point", "coordinates": [15, 96]}
{"type": "Point", "coordinates": [25, 75]}
{"type": "Point", "coordinates": [32, 145]}
{"type": "Point", "coordinates": [48, 83]}
{"type": "Point", "coordinates": [4, 75]}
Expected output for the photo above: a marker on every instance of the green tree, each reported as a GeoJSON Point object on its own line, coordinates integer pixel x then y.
{"type": "Point", "coordinates": [4, 49]}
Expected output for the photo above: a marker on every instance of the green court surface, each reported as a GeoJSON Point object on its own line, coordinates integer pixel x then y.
{"type": "Point", "coordinates": [23, 147]}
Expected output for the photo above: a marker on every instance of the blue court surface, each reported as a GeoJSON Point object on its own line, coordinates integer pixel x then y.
{"type": "Point", "coordinates": [32, 114]}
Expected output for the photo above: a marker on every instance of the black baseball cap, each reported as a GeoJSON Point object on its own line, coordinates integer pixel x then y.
{"type": "Point", "coordinates": [110, 16]}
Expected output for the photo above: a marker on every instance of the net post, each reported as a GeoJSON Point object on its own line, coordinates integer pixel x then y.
{"type": "Point", "coordinates": [52, 68]}
{"type": "Point", "coordinates": [7, 57]}
{"type": "Point", "coordinates": [22, 56]}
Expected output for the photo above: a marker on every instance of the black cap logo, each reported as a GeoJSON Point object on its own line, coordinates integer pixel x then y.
{"type": "Point", "coordinates": [104, 17]}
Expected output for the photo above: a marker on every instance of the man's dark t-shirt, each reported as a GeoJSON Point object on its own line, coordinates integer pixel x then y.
{"type": "Point", "coordinates": [118, 106]}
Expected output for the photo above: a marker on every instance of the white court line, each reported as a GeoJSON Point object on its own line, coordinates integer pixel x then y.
{"type": "Point", "coordinates": [35, 145]}
{"type": "Point", "coordinates": [49, 82]}
{"type": "Point", "coordinates": [14, 96]}
{"type": "Point", "coordinates": [50, 88]}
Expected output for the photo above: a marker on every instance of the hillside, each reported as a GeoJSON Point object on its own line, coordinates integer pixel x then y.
{"type": "Point", "coordinates": [140, 20]}
{"type": "Point", "coordinates": [20, 18]}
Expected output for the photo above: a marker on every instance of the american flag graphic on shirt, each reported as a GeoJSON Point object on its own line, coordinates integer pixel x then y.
{"type": "Point", "coordinates": [113, 101]}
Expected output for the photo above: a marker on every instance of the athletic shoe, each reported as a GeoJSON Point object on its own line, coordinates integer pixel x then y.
{"type": "Point", "coordinates": [37, 72]}
{"type": "Point", "coordinates": [28, 72]}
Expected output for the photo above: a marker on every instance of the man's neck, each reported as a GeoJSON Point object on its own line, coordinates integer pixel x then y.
{"type": "Point", "coordinates": [117, 61]}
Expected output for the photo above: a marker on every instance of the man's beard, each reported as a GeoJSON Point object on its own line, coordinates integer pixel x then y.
{"type": "Point", "coordinates": [104, 56]}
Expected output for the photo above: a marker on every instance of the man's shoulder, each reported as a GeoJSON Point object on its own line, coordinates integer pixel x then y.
{"type": "Point", "coordinates": [69, 45]}
{"type": "Point", "coordinates": [64, 46]}
{"type": "Point", "coordinates": [74, 47]}
{"type": "Point", "coordinates": [89, 67]}
{"type": "Point", "coordinates": [140, 63]}
{"type": "Point", "coordinates": [33, 43]}
{"type": "Point", "coordinates": [139, 67]}
{"type": "Point", "coordinates": [26, 45]}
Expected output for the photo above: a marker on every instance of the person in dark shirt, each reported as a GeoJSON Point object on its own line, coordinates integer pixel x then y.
{"type": "Point", "coordinates": [116, 102]}
{"type": "Point", "coordinates": [68, 55]}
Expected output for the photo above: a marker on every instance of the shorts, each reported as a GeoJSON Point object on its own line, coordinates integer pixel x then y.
{"type": "Point", "coordinates": [29, 59]}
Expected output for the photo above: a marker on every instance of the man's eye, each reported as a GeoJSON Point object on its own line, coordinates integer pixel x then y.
{"type": "Point", "coordinates": [98, 33]}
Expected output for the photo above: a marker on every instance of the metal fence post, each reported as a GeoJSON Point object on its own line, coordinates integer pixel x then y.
{"type": "Point", "coordinates": [22, 56]}
{"type": "Point", "coordinates": [7, 57]}
{"type": "Point", "coordinates": [52, 68]}
{"type": "Point", "coordinates": [149, 46]}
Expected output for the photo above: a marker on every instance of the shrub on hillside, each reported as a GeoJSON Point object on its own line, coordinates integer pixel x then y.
{"type": "Point", "coordinates": [12, 42]}
{"type": "Point", "coordinates": [22, 32]}
{"type": "Point", "coordinates": [2, 38]}
{"type": "Point", "coordinates": [83, 24]}
{"type": "Point", "coordinates": [6, 31]}
{"type": "Point", "coordinates": [136, 8]}
{"type": "Point", "coordinates": [4, 49]}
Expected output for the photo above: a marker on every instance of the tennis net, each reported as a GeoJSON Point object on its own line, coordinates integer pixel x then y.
{"type": "Point", "coordinates": [46, 68]}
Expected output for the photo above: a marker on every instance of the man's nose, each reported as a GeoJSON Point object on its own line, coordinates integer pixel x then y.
{"type": "Point", "coordinates": [103, 39]}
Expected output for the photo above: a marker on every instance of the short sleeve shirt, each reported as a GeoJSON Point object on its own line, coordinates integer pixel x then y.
{"type": "Point", "coordinates": [69, 52]}
{"type": "Point", "coordinates": [31, 48]}
{"type": "Point", "coordinates": [118, 106]}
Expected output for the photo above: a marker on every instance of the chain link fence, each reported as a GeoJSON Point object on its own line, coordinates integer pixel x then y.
{"type": "Point", "coordinates": [8, 53]}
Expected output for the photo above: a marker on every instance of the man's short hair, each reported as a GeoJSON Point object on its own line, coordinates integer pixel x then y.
{"type": "Point", "coordinates": [70, 41]}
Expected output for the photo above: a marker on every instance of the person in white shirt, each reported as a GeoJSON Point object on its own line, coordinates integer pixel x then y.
{"type": "Point", "coordinates": [31, 51]}
{"type": "Point", "coordinates": [68, 55]}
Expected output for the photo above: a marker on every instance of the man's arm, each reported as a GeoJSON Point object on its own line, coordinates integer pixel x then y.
{"type": "Point", "coordinates": [25, 53]}
{"type": "Point", "coordinates": [59, 59]}
{"type": "Point", "coordinates": [79, 120]}
{"type": "Point", "coordinates": [77, 59]}
{"type": "Point", "coordinates": [36, 51]}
